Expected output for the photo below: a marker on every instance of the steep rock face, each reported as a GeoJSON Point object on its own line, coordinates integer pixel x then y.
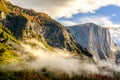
{"type": "Point", "coordinates": [95, 39]}
{"type": "Point", "coordinates": [27, 24]}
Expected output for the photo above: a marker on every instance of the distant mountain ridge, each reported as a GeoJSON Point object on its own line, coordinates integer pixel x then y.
{"type": "Point", "coordinates": [96, 39]}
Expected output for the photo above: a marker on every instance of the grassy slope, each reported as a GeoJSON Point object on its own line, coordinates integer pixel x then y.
{"type": "Point", "coordinates": [6, 51]}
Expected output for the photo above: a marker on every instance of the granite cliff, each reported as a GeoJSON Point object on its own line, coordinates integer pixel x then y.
{"type": "Point", "coordinates": [95, 39]}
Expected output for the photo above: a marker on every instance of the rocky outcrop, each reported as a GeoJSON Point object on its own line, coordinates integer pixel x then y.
{"type": "Point", "coordinates": [95, 39]}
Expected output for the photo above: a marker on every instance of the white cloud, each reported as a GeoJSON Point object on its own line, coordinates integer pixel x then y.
{"type": "Point", "coordinates": [68, 23]}
{"type": "Point", "coordinates": [95, 19]}
{"type": "Point", "coordinates": [113, 15]}
{"type": "Point", "coordinates": [100, 20]}
{"type": "Point", "coordinates": [115, 34]}
{"type": "Point", "coordinates": [65, 8]}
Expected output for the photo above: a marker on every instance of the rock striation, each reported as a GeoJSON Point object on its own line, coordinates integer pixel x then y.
{"type": "Point", "coordinates": [95, 39]}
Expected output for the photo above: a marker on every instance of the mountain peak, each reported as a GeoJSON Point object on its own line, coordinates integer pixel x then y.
{"type": "Point", "coordinates": [90, 25]}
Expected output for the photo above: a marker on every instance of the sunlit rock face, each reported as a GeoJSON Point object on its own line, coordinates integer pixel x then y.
{"type": "Point", "coordinates": [95, 39]}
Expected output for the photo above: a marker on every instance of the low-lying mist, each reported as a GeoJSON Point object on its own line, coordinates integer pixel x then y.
{"type": "Point", "coordinates": [57, 60]}
{"type": "Point", "coordinates": [38, 57]}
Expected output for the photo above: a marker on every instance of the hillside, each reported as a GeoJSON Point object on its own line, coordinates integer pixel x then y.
{"type": "Point", "coordinates": [26, 24]}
